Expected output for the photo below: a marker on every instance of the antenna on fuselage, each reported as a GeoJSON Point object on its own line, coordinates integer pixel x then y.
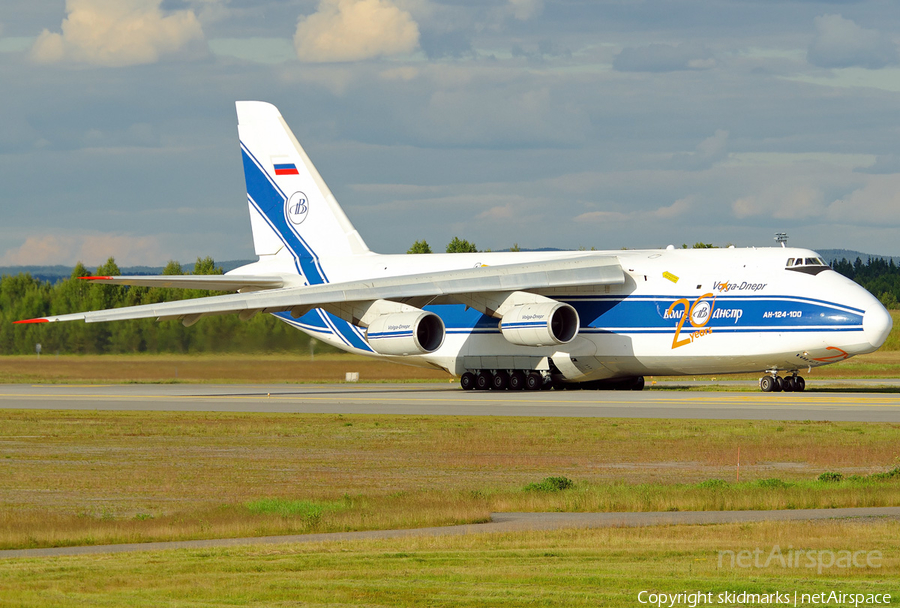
{"type": "Point", "coordinates": [781, 238]}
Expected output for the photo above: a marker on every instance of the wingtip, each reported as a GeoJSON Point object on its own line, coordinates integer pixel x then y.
{"type": "Point", "coordinates": [95, 278]}
{"type": "Point", "coordinates": [40, 320]}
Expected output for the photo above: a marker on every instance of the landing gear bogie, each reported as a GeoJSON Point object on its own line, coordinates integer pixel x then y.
{"type": "Point", "coordinates": [533, 380]}
{"type": "Point", "coordinates": [776, 384]}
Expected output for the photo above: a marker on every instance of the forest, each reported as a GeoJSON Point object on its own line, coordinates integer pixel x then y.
{"type": "Point", "coordinates": [24, 297]}
{"type": "Point", "coordinates": [880, 277]}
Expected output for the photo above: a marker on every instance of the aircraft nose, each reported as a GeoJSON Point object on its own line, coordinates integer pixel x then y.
{"type": "Point", "coordinates": [877, 324]}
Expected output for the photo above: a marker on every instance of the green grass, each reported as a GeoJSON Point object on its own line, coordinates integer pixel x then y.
{"type": "Point", "coordinates": [568, 568]}
{"type": "Point", "coordinates": [303, 509]}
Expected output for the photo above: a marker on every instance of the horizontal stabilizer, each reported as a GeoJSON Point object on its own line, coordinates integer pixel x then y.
{"type": "Point", "coordinates": [571, 272]}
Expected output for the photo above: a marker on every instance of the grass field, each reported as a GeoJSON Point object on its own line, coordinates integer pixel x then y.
{"type": "Point", "coordinates": [82, 477]}
{"type": "Point", "coordinates": [229, 369]}
{"type": "Point", "coordinates": [606, 567]}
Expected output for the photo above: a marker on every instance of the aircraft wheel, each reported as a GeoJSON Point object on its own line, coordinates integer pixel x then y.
{"type": "Point", "coordinates": [500, 381]}
{"type": "Point", "coordinates": [789, 386]}
{"type": "Point", "coordinates": [799, 384]}
{"type": "Point", "coordinates": [638, 384]}
{"type": "Point", "coordinates": [534, 381]}
{"type": "Point", "coordinates": [779, 384]}
{"type": "Point", "coordinates": [467, 381]}
{"type": "Point", "coordinates": [483, 381]}
{"type": "Point", "coordinates": [517, 380]}
{"type": "Point", "coordinates": [766, 384]}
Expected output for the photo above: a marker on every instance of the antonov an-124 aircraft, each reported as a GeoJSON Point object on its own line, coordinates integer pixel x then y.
{"type": "Point", "coordinates": [524, 320]}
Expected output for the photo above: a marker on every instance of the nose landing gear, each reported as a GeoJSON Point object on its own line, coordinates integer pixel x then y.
{"type": "Point", "coordinates": [775, 383]}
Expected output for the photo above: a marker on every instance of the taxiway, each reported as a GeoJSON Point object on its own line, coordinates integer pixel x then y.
{"type": "Point", "coordinates": [836, 404]}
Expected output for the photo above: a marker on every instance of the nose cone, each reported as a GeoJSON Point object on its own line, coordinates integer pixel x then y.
{"type": "Point", "coordinates": [877, 324]}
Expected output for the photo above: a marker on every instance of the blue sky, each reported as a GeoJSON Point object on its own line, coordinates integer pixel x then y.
{"type": "Point", "coordinates": [548, 124]}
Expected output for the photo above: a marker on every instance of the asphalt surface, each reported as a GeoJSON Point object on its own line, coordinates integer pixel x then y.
{"type": "Point", "coordinates": [858, 401]}
{"type": "Point", "coordinates": [500, 523]}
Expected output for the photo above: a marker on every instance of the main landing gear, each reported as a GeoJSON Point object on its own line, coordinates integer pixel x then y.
{"type": "Point", "coordinates": [776, 384]}
{"type": "Point", "coordinates": [500, 380]}
{"type": "Point", "coordinates": [532, 380]}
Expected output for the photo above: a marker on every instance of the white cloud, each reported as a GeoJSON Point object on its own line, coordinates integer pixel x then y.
{"type": "Point", "coordinates": [603, 217]}
{"type": "Point", "coordinates": [504, 212]}
{"type": "Point", "coordinates": [841, 43]}
{"type": "Point", "coordinates": [709, 151]}
{"type": "Point", "coordinates": [791, 202]}
{"type": "Point", "coordinates": [117, 33]}
{"type": "Point", "coordinates": [677, 209]}
{"type": "Point", "coordinates": [526, 9]}
{"type": "Point", "coordinates": [680, 207]}
{"type": "Point", "coordinates": [664, 58]}
{"type": "Point", "coordinates": [353, 30]}
{"type": "Point", "coordinates": [877, 202]}
{"type": "Point", "coordinates": [92, 249]}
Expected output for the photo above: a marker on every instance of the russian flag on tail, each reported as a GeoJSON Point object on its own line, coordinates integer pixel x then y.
{"type": "Point", "coordinates": [286, 169]}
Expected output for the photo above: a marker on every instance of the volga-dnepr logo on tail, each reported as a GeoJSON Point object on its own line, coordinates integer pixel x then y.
{"type": "Point", "coordinates": [296, 208]}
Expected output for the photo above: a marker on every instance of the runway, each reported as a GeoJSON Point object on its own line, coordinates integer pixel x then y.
{"type": "Point", "coordinates": [448, 399]}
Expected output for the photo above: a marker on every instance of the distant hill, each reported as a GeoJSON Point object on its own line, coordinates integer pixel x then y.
{"type": "Point", "coordinates": [54, 273]}
{"type": "Point", "coordinates": [832, 255]}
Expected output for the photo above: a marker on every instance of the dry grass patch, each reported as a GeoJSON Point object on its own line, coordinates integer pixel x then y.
{"type": "Point", "coordinates": [231, 369]}
{"type": "Point", "coordinates": [97, 477]}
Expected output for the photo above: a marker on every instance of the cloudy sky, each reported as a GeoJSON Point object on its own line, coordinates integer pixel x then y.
{"type": "Point", "coordinates": [567, 124]}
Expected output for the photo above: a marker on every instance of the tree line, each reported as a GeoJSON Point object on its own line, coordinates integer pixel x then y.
{"type": "Point", "coordinates": [24, 297]}
{"type": "Point", "coordinates": [879, 276]}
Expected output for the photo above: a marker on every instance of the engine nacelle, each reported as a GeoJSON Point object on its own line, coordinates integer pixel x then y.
{"type": "Point", "coordinates": [544, 324]}
{"type": "Point", "coordinates": [406, 333]}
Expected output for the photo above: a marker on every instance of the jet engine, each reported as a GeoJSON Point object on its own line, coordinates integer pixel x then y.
{"type": "Point", "coordinates": [415, 332]}
{"type": "Point", "coordinates": [543, 324]}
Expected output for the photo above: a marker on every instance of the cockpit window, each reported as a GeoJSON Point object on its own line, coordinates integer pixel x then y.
{"type": "Point", "coordinates": [811, 266]}
{"type": "Point", "coordinates": [805, 262]}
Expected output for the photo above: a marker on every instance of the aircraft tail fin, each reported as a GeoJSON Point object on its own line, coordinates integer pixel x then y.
{"type": "Point", "coordinates": [292, 211]}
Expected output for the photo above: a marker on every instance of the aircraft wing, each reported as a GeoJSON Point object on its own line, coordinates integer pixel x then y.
{"type": "Point", "coordinates": [570, 272]}
{"type": "Point", "coordinates": [221, 282]}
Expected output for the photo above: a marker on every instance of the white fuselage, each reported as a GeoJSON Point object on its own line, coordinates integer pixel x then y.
{"type": "Point", "coordinates": [679, 312]}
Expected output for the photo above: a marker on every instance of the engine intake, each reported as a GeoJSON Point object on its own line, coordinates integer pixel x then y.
{"type": "Point", "coordinates": [544, 324]}
{"type": "Point", "coordinates": [406, 333]}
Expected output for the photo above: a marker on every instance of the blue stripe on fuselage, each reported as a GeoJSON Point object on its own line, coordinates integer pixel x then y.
{"type": "Point", "coordinates": [648, 314]}
{"type": "Point", "coordinates": [319, 321]}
